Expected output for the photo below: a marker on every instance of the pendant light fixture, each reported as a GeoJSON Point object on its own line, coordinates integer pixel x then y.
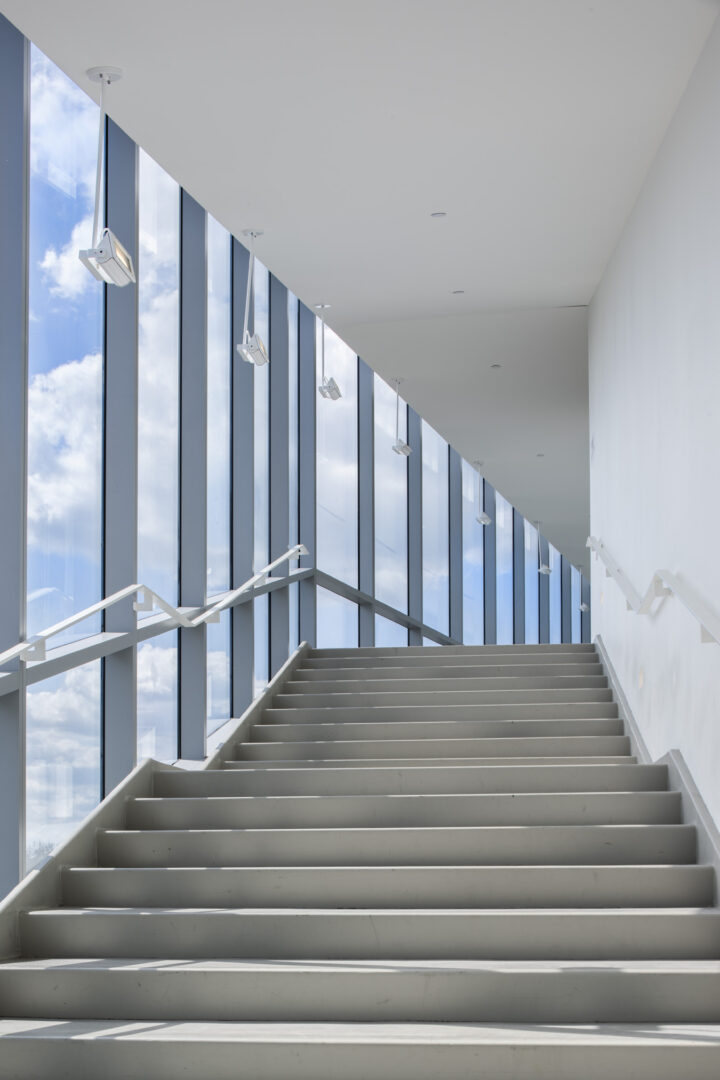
{"type": "Point", "coordinates": [399, 446]}
{"type": "Point", "coordinates": [328, 388]}
{"type": "Point", "coordinates": [107, 260]}
{"type": "Point", "coordinates": [543, 568]}
{"type": "Point", "coordinates": [481, 516]}
{"type": "Point", "coordinates": [251, 348]}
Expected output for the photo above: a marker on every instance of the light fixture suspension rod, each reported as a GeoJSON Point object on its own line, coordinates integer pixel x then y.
{"type": "Point", "coordinates": [397, 410]}
{"type": "Point", "coordinates": [537, 528]}
{"type": "Point", "coordinates": [104, 81]}
{"type": "Point", "coordinates": [322, 346]}
{"type": "Point", "coordinates": [251, 267]}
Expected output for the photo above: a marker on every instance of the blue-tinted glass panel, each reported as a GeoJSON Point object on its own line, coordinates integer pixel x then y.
{"type": "Point", "coordinates": [555, 597]}
{"type": "Point", "coordinates": [389, 633]}
{"type": "Point", "coordinates": [473, 557]}
{"type": "Point", "coordinates": [63, 757]}
{"type": "Point", "coordinates": [575, 601]}
{"type": "Point", "coordinates": [337, 621]}
{"type": "Point", "coordinates": [429, 641]}
{"type": "Point", "coordinates": [504, 569]}
{"type": "Point", "coordinates": [158, 445]}
{"type": "Point", "coordinates": [391, 517]}
{"type": "Point", "coordinates": [337, 452]}
{"type": "Point", "coordinates": [294, 475]}
{"type": "Point", "coordinates": [218, 672]}
{"type": "Point", "coordinates": [435, 535]}
{"type": "Point", "coordinates": [65, 347]}
{"type": "Point", "coordinates": [218, 408]}
{"type": "Point", "coordinates": [261, 316]}
{"type": "Point", "coordinates": [532, 585]}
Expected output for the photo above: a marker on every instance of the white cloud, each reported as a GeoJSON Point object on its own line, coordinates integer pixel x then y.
{"type": "Point", "coordinates": [67, 277]}
{"type": "Point", "coordinates": [58, 106]}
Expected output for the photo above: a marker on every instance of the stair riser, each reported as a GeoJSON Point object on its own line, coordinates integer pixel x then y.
{"type": "Point", "coordinates": [440, 698]}
{"type": "Point", "coordinates": [417, 781]}
{"type": "Point", "coordinates": [582, 710]}
{"type": "Point", "coordinates": [423, 653]}
{"type": "Point", "coordinates": [176, 1054]}
{"type": "Point", "coordinates": [437, 661]}
{"type": "Point", "coordinates": [572, 745]}
{"type": "Point", "coordinates": [533, 846]}
{"type": "Point", "coordinates": [502, 996]}
{"type": "Point", "coordinates": [449, 672]}
{"type": "Point", "coordinates": [440, 729]}
{"type": "Point", "coordinates": [444, 763]}
{"type": "Point", "coordinates": [393, 887]}
{"type": "Point", "coordinates": [514, 935]}
{"type": "Point", "coordinates": [429, 684]}
{"type": "Point", "coordinates": [389, 811]}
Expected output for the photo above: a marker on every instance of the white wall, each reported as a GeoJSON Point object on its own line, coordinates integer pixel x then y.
{"type": "Point", "coordinates": [654, 338]}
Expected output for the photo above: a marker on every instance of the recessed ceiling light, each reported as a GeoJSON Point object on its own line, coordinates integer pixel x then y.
{"type": "Point", "coordinates": [495, 367]}
{"type": "Point", "coordinates": [438, 213]}
{"type": "Point", "coordinates": [458, 292]}
{"type": "Point", "coordinates": [539, 455]}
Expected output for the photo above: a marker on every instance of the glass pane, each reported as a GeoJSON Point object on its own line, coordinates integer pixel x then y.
{"type": "Point", "coordinates": [337, 452]}
{"type": "Point", "coordinates": [261, 316]}
{"type": "Point", "coordinates": [532, 585]}
{"type": "Point", "coordinates": [157, 679]}
{"type": "Point", "coordinates": [389, 633]}
{"type": "Point", "coordinates": [63, 757]}
{"type": "Point", "coordinates": [555, 597]}
{"type": "Point", "coordinates": [473, 557]}
{"type": "Point", "coordinates": [435, 535]}
{"type": "Point", "coordinates": [218, 672]}
{"type": "Point", "coordinates": [429, 641]}
{"type": "Point", "coordinates": [504, 569]}
{"type": "Point", "coordinates": [158, 445]}
{"type": "Point", "coordinates": [293, 442]}
{"type": "Point", "coordinates": [575, 601]}
{"type": "Point", "coordinates": [391, 517]}
{"type": "Point", "coordinates": [218, 408]}
{"type": "Point", "coordinates": [65, 357]}
{"type": "Point", "coordinates": [337, 621]}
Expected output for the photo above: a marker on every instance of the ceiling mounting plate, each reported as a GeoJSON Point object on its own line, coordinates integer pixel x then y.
{"type": "Point", "coordinates": [104, 73]}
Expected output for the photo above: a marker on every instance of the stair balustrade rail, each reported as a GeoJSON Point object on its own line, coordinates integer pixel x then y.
{"type": "Point", "coordinates": [662, 584]}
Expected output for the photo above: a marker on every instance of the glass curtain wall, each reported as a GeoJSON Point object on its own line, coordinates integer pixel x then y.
{"type": "Point", "coordinates": [473, 557]}
{"type": "Point", "coordinates": [261, 556]}
{"type": "Point", "coordinates": [532, 586]}
{"type": "Point", "coordinates": [294, 475]}
{"type": "Point", "coordinates": [337, 621]}
{"type": "Point", "coordinates": [575, 601]}
{"type": "Point", "coordinates": [435, 535]}
{"type": "Point", "coordinates": [158, 272]}
{"type": "Point", "coordinates": [219, 390]}
{"type": "Point", "coordinates": [390, 480]}
{"type": "Point", "coordinates": [504, 569]}
{"type": "Point", "coordinates": [555, 596]}
{"type": "Point", "coordinates": [65, 457]}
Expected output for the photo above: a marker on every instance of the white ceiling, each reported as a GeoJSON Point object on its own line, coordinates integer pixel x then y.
{"type": "Point", "coordinates": [337, 126]}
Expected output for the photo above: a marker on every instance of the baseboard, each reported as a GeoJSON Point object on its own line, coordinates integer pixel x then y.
{"type": "Point", "coordinates": [694, 808]}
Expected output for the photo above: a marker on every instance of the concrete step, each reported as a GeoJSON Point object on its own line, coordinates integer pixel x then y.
{"type": "Point", "coordinates": [407, 699]}
{"type": "Point", "coordinates": [422, 652]}
{"type": "Point", "coordinates": [452, 684]}
{"type": "Point", "coordinates": [357, 714]}
{"type": "Point", "coordinates": [450, 670]}
{"type": "Point", "coordinates": [393, 811]}
{"type": "Point", "coordinates": [429, 780]}
{"type": "Point", "coordinates": [391, 886]}
{"type": "Point", "coordinates": [435, 659]}
{"type": "Point", "coordinates": [469, 846]}
{"type": "Point", "coordinates": [326, 729]}
{"type": "Point", "coordinates": [553, 746]}
{"type": "Point", "coordinates": [374, 934]}
{"type": "Point", "coordinates": [318, 764]}
{"type": "Point", "coordinates": [461, 991]}
{"type": "Point", "coordinates": [86, 1050]}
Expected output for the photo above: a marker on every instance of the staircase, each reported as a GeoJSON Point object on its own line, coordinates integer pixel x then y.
{"type": "Point", "coordinates": [425, 864]}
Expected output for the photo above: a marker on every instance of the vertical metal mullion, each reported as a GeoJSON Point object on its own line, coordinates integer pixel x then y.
{"type": "Point", "coordinates": [565, 600]}
{"type": "Point", "coordinates": [119, 732]}
{"type": "Point", "coordinates": [366, 508]}
{"type": "Point", "coordinates": [415, 552]}
{"type": "Point", "coordinates": [518, 578]}
{"type": "Point", "coordinates": [193, 474]}
{"type": "Point", "coordinates": [544, 594]}
{"type": "Point", "coordinates": [279, 468]}
{"type": "Point", "coordinates": [456, 545]}
{"type": "Point", "coordinates": [14, 179]}
{"type": "Point", "coordinates": [243, 494]}
{"type": "Point", "coordinates": [585, 631]}
{"type": "Point", "coordinates": [306, 469]}
{"type": "Point", "coordinates": [490, 565]}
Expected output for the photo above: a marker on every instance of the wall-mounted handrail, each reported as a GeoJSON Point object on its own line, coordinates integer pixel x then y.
{"type": "Point", "coordinates": [34, 647]}
{"type": "Point", "coordinates": [663, 583]}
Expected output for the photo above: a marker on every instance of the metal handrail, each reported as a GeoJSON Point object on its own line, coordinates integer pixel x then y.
{"type": "Point", "coordinates": [663, 583]}
{"type": "Point", "coordinates": [34, 648]}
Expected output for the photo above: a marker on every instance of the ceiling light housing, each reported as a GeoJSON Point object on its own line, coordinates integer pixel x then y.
{"type": "Point", "coordinates": [544, 569]}
{"type": "Point", "coordinates": [252, 349]}
{"type": "Point", "coordinates": [329, 389]}
{"type": "Point", "coordinates": [402, 448]}
{"type": "Point", "coordinates": [109, 261]}
{"type": "Point", "coordinates": [482, 518]}
{"type": "Point", "coordinates": [584, 606]}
